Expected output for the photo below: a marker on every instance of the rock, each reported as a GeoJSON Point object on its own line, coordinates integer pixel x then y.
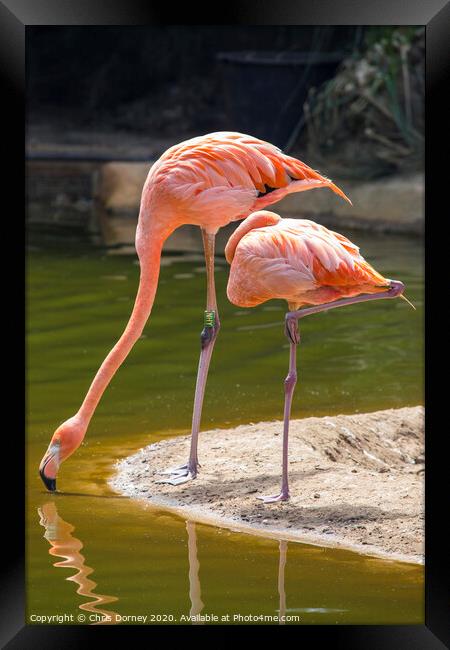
{"type": "Point", "coordinates": [395, 203]}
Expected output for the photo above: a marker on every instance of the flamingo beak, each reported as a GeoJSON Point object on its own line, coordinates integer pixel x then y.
{"type": "Point", "coordinates": [396, 287]}
{"type": "Point", "coordinates": [51, 456]}
{"type": "Point", "coordinates": [50, 483]}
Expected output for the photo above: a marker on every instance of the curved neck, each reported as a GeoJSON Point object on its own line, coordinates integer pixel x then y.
{"type": "Point", "coordinates": [256, 220]}
{"type": "Point", "coordinates": [150, 261]}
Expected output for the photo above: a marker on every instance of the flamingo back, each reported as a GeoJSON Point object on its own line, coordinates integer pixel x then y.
{"type": "Point", "coordinates": [297, 260]}
{"type": "Point", "coordinates": [221, 177]}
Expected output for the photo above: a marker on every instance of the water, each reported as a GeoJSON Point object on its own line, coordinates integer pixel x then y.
{"type": "Point", "coordinates": [91, 551]}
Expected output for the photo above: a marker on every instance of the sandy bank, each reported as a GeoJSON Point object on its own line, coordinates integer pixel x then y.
{"type": "Point", "coordinates": [356, 481]}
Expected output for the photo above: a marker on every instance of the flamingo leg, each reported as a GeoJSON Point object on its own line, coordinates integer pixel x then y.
{"type": "Point", "coordinates": [292, 332]}
{"type": "Point", "coordinates": [395, 289]}
{"type": "Point", "coordinates": [208, 337]}
{"type": "Point", "coordinates": [293, 335]}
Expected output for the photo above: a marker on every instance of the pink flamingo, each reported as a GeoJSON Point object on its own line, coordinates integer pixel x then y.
{"type": "Point", "coordinates": [305, 264]}
{"type": "Point", "coordinates": [207, 181]}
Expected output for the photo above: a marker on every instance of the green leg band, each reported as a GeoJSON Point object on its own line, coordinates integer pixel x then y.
{"type": "Point", "coordinates": [210, 318]}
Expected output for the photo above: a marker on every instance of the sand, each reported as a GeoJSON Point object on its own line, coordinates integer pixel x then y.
{"type": "Point", "coordinates": [356, 481]}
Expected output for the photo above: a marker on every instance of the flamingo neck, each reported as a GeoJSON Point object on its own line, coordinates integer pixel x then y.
{"type": "Point", "coordinates": [149, 253]}
{"type": "Point", "coordinates": [255, 220]}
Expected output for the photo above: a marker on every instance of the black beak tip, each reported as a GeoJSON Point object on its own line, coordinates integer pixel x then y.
{"type": "Point", "coordinates": [50, 483]}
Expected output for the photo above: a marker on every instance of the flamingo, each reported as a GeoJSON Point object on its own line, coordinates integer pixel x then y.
{"type": "Point", "coordinates": [303, 263]}
{"type": "Point", "coordinates": [207, 181]}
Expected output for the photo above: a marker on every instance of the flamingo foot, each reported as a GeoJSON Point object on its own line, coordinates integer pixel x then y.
{"type": "Point", "coordinates": [177, 479]}
{"type": "Point", "coordinates": [179, 475]}
{"type": "Point", "coordinates": [274, 498]}
{"type": "Point", "coordinates": [177, 471]}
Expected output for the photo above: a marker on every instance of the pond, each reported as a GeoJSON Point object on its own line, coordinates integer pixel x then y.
{"type": "Point", "coordinates": [91, 551]}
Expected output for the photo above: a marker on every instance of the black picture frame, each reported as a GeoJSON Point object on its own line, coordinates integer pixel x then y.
{"type": "Point", "coordinates": [15, 17]}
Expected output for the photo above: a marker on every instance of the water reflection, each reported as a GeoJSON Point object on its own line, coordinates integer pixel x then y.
{"type": "Point", "coordinates": [281, 573]}
{"type": "Point", "coordinates": [194, 578]}
{"type": "Point", "coordinates": [65, 545]}
{"type": "Point", "coordinates": [197, 604]}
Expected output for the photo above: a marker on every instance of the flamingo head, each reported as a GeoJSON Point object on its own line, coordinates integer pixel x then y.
{"type": "Point", "coordinates": [255, 220]}
{"type": "Point", "coordinates": [396, 288]}
{"type": "Point", "coordinates": [66, 439]}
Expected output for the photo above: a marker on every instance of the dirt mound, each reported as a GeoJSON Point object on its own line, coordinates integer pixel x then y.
{"type": "Point", "coordinates": [356, 480]}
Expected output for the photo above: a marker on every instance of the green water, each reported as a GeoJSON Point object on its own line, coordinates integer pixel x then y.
{"type": "Point", "coordinates": [90, 550]}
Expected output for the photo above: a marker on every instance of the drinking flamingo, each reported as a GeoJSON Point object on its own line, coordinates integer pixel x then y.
{"type": "Point", "coordinates": [305, 264]}
{"type": "Point", "coordinates": [207, 181]}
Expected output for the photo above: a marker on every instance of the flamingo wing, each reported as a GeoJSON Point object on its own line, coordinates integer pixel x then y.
{"type": "Point", "coordinates": [227, 175]}
{"type": "Point", "coordinates": [300, 261]}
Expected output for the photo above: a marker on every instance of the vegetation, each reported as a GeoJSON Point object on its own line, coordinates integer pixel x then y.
{"type": "Point", "coordinates": [372, 111]}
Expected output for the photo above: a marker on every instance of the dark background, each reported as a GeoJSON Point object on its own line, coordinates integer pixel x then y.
{"type": "Point", "coordinates": [348, 100]}
{"type": "Point", "coordinates": [350, 97]}
{"type": "Point", "coordinates": [162, 78]}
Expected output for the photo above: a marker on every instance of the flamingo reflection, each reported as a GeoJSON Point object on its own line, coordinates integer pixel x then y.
{"type": "Point", "coordinates": [281, 573]}
{"type": "Point", "coordinates": [65, 545]}
{"type": "Point", "coordinates": [197, 604]}
{"type": "Point", "coordinates": [194, 579]}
